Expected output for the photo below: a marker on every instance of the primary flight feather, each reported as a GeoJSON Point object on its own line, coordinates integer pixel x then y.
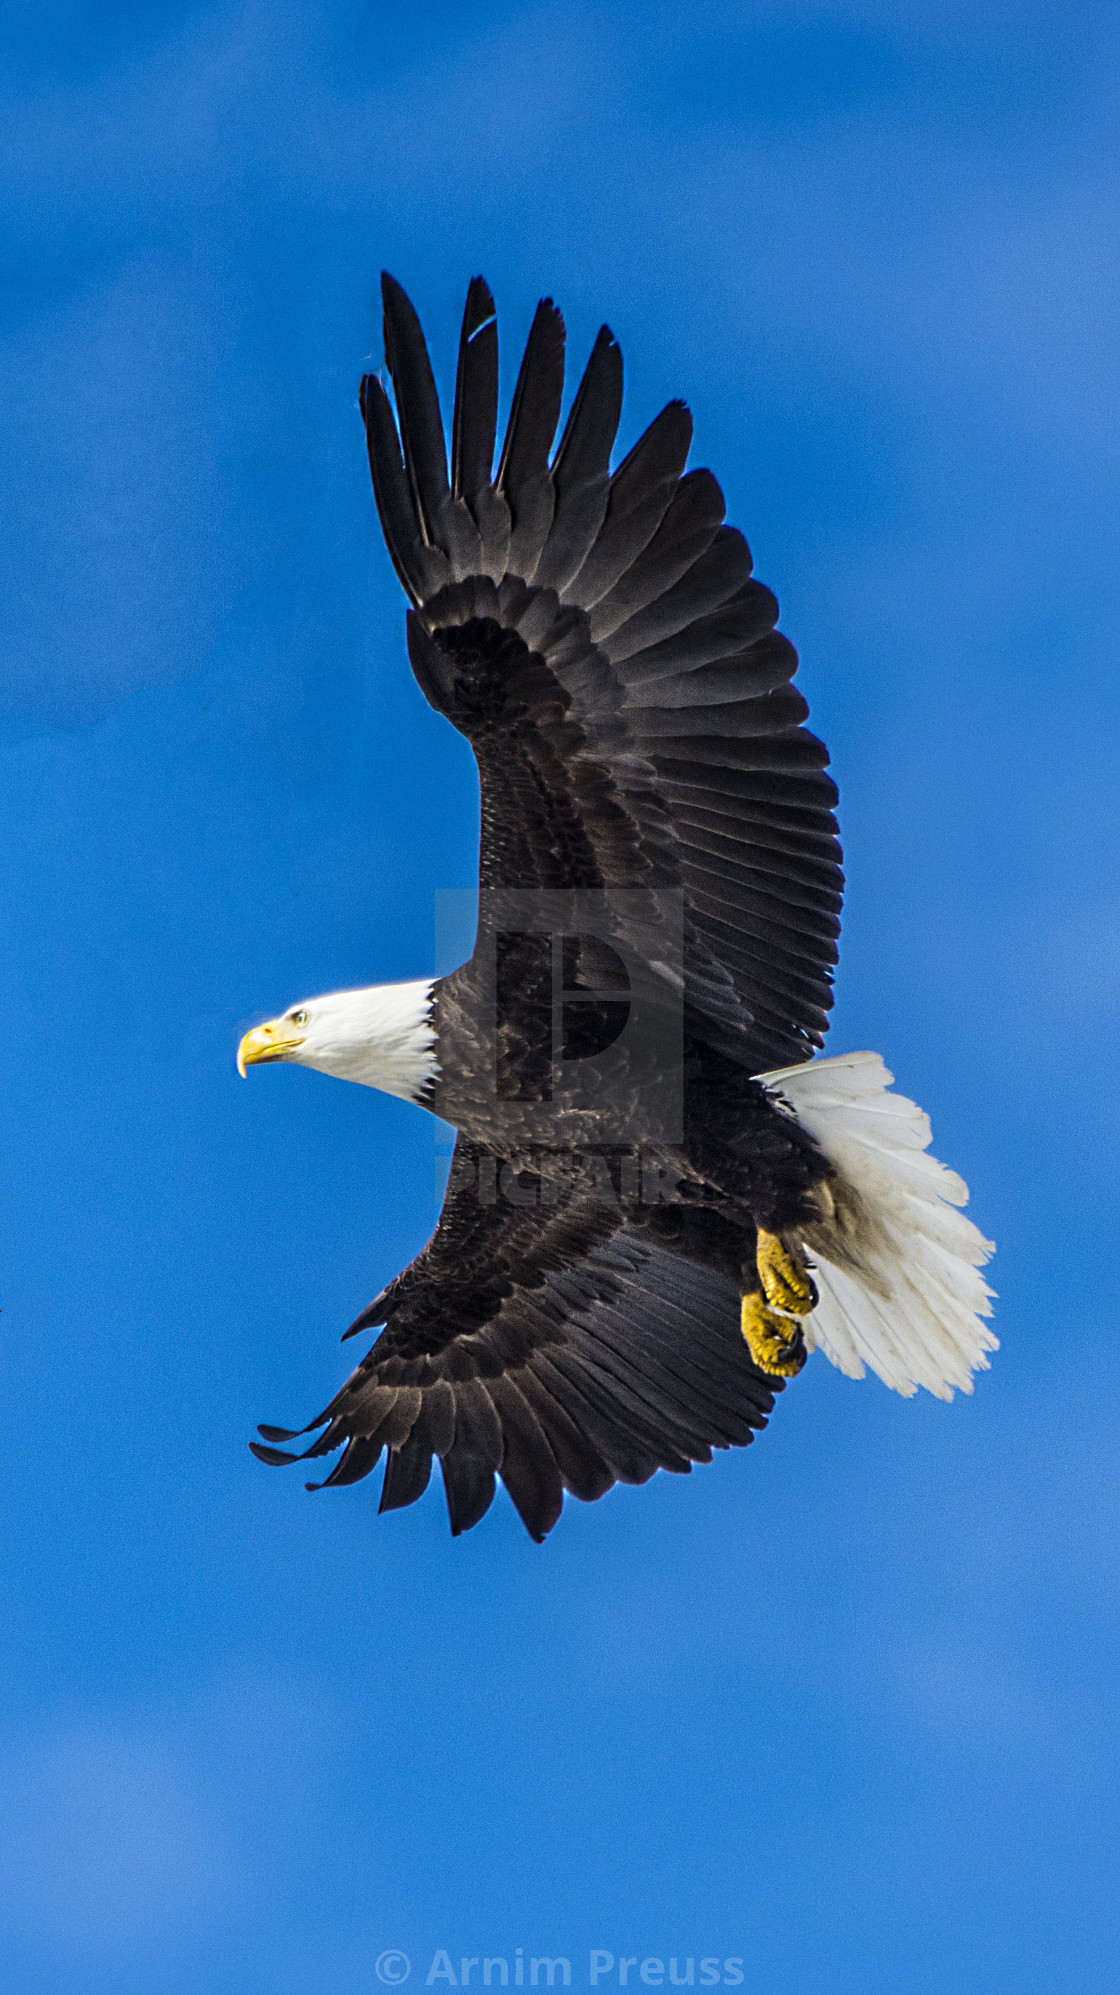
{"type": "Point", "coordinates": [660, 1201]}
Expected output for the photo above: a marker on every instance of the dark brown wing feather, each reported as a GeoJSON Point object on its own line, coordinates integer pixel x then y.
{"type": "Point", "coordinates": [566, 1351]}
{"type": "Point", "coordinates": [617, 670]}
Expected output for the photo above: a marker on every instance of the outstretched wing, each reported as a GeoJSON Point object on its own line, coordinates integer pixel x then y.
{"type": "Point", "coordinates": [600, 640]}
{"type": "Point", "coordinates": [560, 1349]}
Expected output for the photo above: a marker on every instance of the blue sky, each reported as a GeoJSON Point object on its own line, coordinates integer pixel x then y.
{"type": "Point", "coordinates": [843, 1705]}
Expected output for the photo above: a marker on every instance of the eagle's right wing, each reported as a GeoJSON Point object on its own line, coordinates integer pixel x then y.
{"type": "Point", "coordinates": [559, 1350]}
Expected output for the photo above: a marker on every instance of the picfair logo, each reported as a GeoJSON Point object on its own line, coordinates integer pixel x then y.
{"type": "Point", "coordinates": [578, 999]}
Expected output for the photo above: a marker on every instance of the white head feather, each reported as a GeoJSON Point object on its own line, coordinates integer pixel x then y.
{"type": "Point", "coordinates": [381, 1036]}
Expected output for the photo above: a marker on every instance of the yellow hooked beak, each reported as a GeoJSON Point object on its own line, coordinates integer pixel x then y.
{"type": "Point", "coordinates": [273, 1041]}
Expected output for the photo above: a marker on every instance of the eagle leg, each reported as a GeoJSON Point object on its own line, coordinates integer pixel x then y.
{"type": "Point", "coordinates": [786, 1282]}
{"type": "Point", "coordinates": [775, 1342]}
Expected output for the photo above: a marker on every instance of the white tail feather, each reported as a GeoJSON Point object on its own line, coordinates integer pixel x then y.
{"type": "Point", "coordinates": [896, 1264]}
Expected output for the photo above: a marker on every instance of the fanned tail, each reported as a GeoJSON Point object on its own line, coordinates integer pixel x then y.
{"type": "Point", "coordinates": [897, 1264]}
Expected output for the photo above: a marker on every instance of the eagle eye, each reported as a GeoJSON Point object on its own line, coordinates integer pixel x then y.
{"type": "Point", "coordinates": [299, 1018]}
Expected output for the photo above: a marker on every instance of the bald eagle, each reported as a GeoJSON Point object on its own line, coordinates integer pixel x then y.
{"type": "Point", "coordinates": [660, 1200]}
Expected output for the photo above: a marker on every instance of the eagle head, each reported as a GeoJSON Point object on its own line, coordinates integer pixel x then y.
{"type": "Point", "coordinates": [382, 1036]}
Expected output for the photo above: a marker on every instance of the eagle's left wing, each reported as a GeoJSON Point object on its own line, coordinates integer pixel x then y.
{"type": "Point", "coordinates": [599, 638]}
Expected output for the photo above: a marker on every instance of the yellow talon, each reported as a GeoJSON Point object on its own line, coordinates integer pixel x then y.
{"type": "Point", "coordinates": [775, 1342]}
{"type": "Point", "coordinates": [787, 1285]}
